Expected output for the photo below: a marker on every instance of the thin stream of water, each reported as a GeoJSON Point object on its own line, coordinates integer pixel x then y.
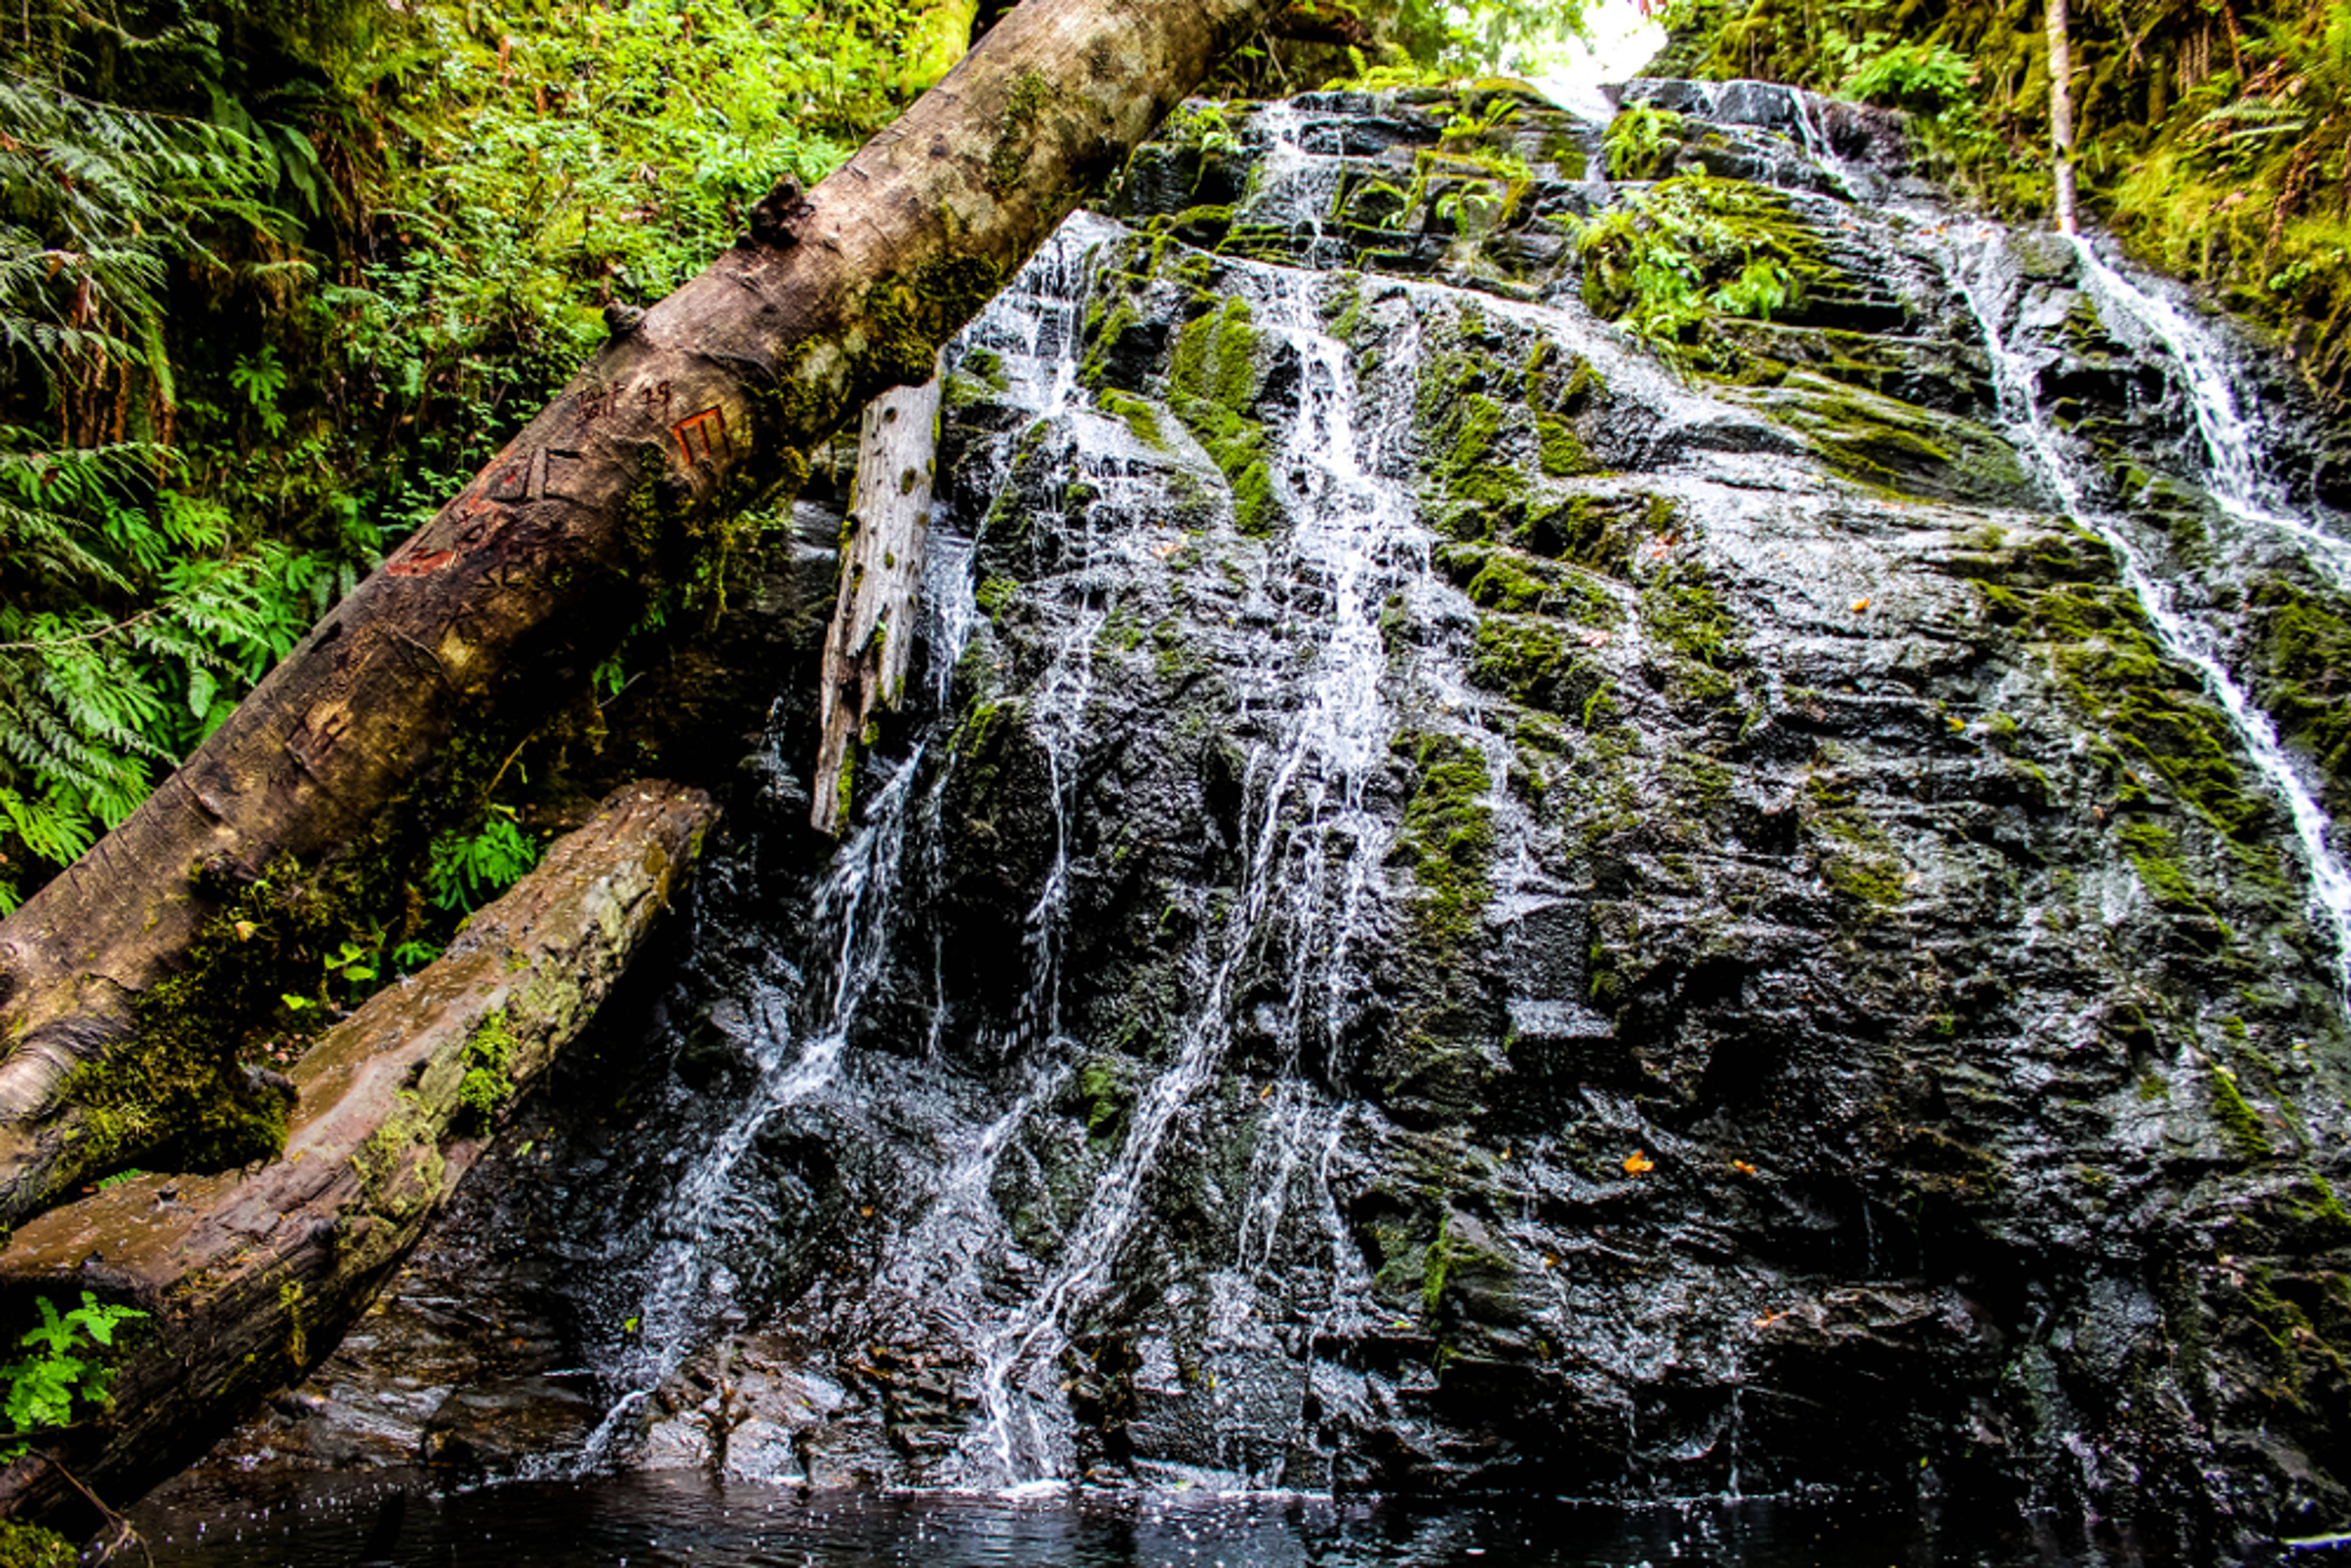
{"type": "Point", "coordinates": [1312, 854]}
{"type": "Point", "coordinates": [686, 1282]}
{"type": "Point", "coordinates": [2233, 440]}
{"type": "Point", "coordinates": [2185, 638]}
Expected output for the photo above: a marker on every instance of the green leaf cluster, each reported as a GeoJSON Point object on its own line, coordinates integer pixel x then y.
{"type": "Point", "coordinates": [469, 869]}
{"type": "Point", "coordinates": [1664, 261]}
{"type": "Point", "coordinates": [43, 1387]}
{"type": "Point", "coordinates": [2214, 137]}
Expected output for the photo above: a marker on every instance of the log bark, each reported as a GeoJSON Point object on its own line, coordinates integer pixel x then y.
{"type": "Point", "coordinates": [873, 632]}
{"type": "Point", "coordinates": [252, 1279]}
{"type": "Point", "coordinates": [510, 595]}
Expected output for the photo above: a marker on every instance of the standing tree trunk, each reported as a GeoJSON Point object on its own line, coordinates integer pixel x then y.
{"type": "Point", "coordinates": [527, 578]}
{"type": "Point", "coordinates": [2061, 113]}
{"type": "Point", "coordinates": [873, 632]}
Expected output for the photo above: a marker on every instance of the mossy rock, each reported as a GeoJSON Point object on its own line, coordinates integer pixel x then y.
{"type": "Point", "coordinates": [2302, 674]}
{"type": "Point", "coordinates": [1497, 577]}
{"type": "Point", "coordinates": [1694, 640]}
{"type": "Point", "coordinates": [1900, 446]}
{"type": "Point", "coordinates": [1214, 376]}
{"type": "Point", "coordinates": [1542, 662]}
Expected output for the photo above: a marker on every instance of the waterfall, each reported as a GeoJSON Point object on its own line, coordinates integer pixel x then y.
{"type": "Point", "coordinates": [1312, 854]}
{"type": "Point", "coordinates": [2236, 471]}
{"type": "Point", "coordinates": [1133, 1104]}
{"type": "Point", "coordinates": [677, 1265]}
{"type": "Point", "coordinates": [687, 1285]}
{"type": "Point", "coordinates": [2236, 478]}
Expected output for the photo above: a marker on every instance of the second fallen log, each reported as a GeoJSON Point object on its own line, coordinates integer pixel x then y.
{"type": "Point", "coordinates": [249, 1279]}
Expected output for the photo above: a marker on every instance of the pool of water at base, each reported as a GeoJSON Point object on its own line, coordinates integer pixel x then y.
{"type": "Point", "coordinates": [346, 1520]}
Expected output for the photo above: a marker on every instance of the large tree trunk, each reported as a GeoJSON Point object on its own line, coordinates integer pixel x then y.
{"type": "Point", "coordinates": [249, 1280]}
{"type": "Point", "coordinates": [512, 593]}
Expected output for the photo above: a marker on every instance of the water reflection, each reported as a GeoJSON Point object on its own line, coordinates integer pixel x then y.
{"type": "Point", "coordinates": [650, 1520]}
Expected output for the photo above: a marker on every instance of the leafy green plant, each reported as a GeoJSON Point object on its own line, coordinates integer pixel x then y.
{"type": "Point", "coordinates": [128, 624]}
{"type": "Point", "coordinates": [261, 377]}
{"type": "Point", "coordinates": [1640, 142]}
{"type": "Point", "coordinates": [1203, 123]}
{"type": "Point", "coordinates": [97, 199]}
{"type": "Point", "coordinates": [1925, 77]}
{"type": "Point", "coordinates": [468, 870]}
{"type": "Point", "coordinates": [42, 1387]}
{"type": "Point", "coordinates": [411, 956]}
{"type": "Point", "coordinates": [1663, 262]}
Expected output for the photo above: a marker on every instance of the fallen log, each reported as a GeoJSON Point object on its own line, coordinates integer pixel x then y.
{"type": "Point", "coordinates": [506, 600]}
{"type": "Point", "coordinates": [250, 1279]}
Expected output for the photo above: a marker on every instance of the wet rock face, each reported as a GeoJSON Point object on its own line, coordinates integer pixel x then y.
{"type": "Point", "coordinates": [1486, 899]}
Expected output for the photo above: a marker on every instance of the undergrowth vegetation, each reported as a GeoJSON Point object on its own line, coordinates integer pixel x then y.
{"type": "Point", "coordinates": [2214, 135]}
{"type": "Point", "coordinates": [1665, 261]}
{"type": "Point", "coordinates": [275, 280]}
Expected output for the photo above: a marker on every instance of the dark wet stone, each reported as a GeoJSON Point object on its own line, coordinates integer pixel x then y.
{"type": "Point", "coordinates": [1477, 912]}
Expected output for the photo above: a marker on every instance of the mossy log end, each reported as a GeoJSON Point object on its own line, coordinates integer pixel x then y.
{"type": "Point", "coordinates": [250, 1279]}
{"type": "Point", "coordinates": [507, 599]}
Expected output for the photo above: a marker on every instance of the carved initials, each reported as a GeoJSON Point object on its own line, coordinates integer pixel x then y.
{"type": "Point", "coordinates": [554, 481]}
{"type": "Point", "coordinates": [319, 735]}
{"type": "Point", "coordinates": [513, 481]}
{"type": "Point", "coordinates": [418, 563]}
{"type": "Point", "coordinates": [535, 476]}
{"type": "Point", "coordinates": [702, 434]}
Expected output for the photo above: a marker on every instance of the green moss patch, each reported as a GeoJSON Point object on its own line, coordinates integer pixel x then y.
{"type": "Point", "coordinates": [2153, 725]}
{"type": "Point", "coordinates": [1497, 577]}
{"type": "Point", "coordinates": [1897, 445]}
{"type": "Point", "coordinates": [1213, 379]}
{"type": "Point", "coordinates": [1693, 638]}
{"type": "Point", "coordinates": [1856, 855]}
{"type": "Point", "coordinates": [1436, 1063]}
{"type": "Point", "coordinates": [1542, 663]}
{"type": "Point", "coordinates": [2302, 675]}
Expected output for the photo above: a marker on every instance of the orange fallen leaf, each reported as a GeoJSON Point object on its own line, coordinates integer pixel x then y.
{"type": "Point", "coordinates": [1861, 604]}
{"type": "Point", "coordinates": [1743, 1167]}
{"type": "Point", "coordinates": [1637, 1163]}
{"type": "Point", "coordinates": [1766, 1320]}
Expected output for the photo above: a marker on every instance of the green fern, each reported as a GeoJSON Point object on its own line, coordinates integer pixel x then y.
{"type": "Point", "coordinates": [41, 1388]}
{"type": "Point", "coordinates": [468, 870]}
